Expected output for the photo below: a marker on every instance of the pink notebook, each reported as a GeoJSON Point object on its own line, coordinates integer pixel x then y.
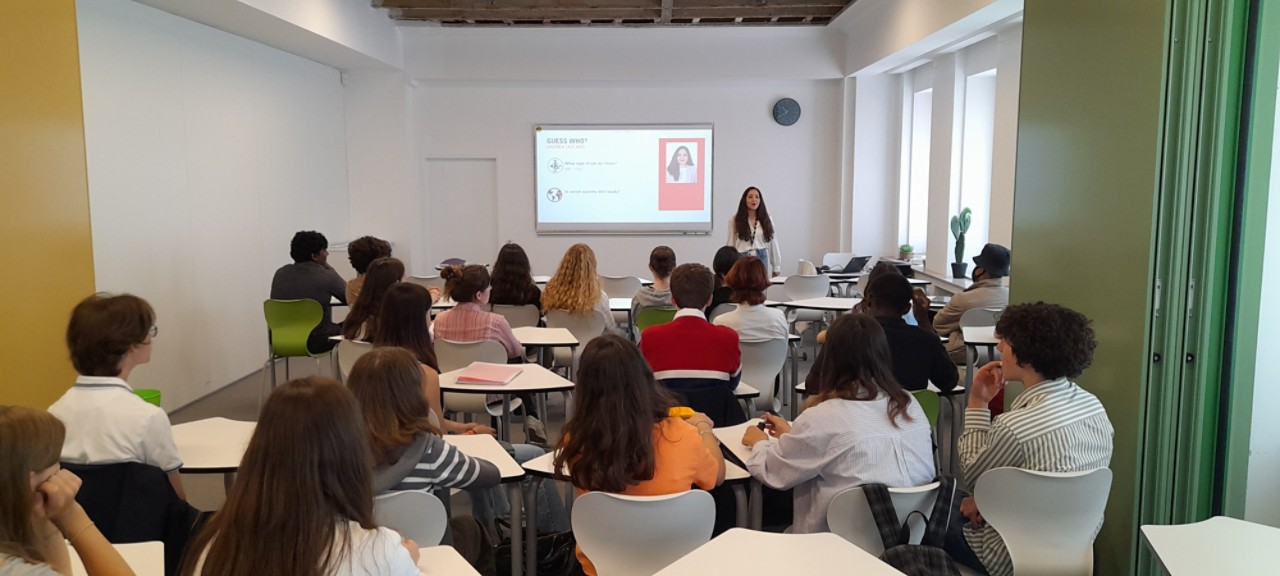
{"type": "Point", "coordinates": [486, 373]}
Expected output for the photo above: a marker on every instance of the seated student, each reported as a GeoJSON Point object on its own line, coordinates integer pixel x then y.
{"type": "Point", "coordinates": [512, 280]}
{"type": "Point", "coordinates": [361, 252]}
{"type": "Point", "coordinates": [752, 320]}
{"type": "Point", "coordinates": [988, 291]}
{"type": "Point", "coordinates": [1054, 425]}
{"type": "Point", "coordinates": [408, 452]}
{"type": "Point", "coordinates": [690, 352]}
{"type": "Point", "coordinates": [363, 318]}
{"type": "Point", "coordinates": [107, 423]}
{"type": "Point", "coordinates": [576, 287]}
{"type": "Point", "coordinates": [661, 260]}
{"type": "Point", "coordinates": [918, 356]}
{"type": "Point", "coordinates": [39, 509]}
{"type": "Point", "coordinates": [916, 316]}
{"type": "Point", "coordinates": [302, 502]}
{"type": "Point", "coordinates": [724, 260]}
{"type": "Point", "coordinates": [311, 276]}
{"type": "Point", "coordinates": [860, 427]}
{"type": "Point", "coordinates": [649, 452]}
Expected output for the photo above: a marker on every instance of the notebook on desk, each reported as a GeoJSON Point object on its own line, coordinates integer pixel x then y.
{"type": "Point", "coordinates": [488, 373]}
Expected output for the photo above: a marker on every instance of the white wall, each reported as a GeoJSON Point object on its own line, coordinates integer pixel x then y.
{"type": "Point", "coordinates": [205, 152]}
{"type": "Point", "coordinates": [886, 34]}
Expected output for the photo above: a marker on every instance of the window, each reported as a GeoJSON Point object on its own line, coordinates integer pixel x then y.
{"type": "Point", "coordinates": [913, 200]}
{"type": "Point", "coordinates": [975, 157]}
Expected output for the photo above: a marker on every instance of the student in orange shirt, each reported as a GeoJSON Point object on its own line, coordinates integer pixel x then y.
{"type": "Point", "coordinates": [650, 453]}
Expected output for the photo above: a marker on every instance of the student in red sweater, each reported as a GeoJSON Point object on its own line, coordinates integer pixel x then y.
{"type": "Point", "coordinates": [689, 352]}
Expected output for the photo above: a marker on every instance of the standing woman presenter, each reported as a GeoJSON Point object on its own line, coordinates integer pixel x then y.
{"type": "Point", "coordinates": [751, 231]}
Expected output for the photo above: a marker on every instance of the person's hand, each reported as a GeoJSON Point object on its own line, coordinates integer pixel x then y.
{"type": "Point", "coordinates": [55, 500]}
{"type": "Point", "coordinates": [987, 382]}
{"type": "Point", "coordinates": [753, 435]}
{"type": "Point", "coordinates": [776, 425]}
{"type": "Point", "coordinates": [478, 428]}
{"type": "Point", "coordinates": [969, 509]}
{"type": "Point", "coordinates": [919, 301]}
{"type": "Point", "coordinates": [699, 420]}
{"type": "Point", "coordinates": [412, 547]}
{"type": "Point", "coordinates": [776, 274]}
{"type": "Point", "coordinates": [435, 294]}
{"type": "Point", "coordinates": [822, 337]}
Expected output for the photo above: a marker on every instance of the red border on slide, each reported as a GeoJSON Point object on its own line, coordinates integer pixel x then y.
{"type": "Point", "coordinates": [673, 196]}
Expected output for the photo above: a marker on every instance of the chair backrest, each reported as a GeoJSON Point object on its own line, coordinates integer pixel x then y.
{"type": "Point", "coordinates": [427, 282]}
{"type": "Point", "coordinates": [640, 535]}
{"type": "Point", "coordinates": [653, 317]}
{"type": "Point", "coordinates": [455, 355]}
{"type": "Point", "coordinates": [836, 259]}
{"type": "Point", "coordinates": [806, 268]}
{"type": "Point", "coordinates": [849, 516]}
{"type": "Point", "coordinates": [721, 309]}
{"type": "Point", "coordinates": [761, 363]}
{"type": "Point", "coordinates": [1048, 520]}
{"type": "Point", "coordinates": [583, 325]}
{"type": "Point", "coordinates": [620, 286]}
{"type": "Point", "coordinates": [517, 316]}
{"type": "Point", "coordinates": [800, 287]}
{"type": "Point", "coordinates": [290, 323]}
{"type": "Point", "coordinates": [980, 317]}
{"type": "Point", "coordinates": [929, 402]}
{"type": "Point", "coordinates": [348, 352]}
{"type": "Point", "coordinates": [415, 514]}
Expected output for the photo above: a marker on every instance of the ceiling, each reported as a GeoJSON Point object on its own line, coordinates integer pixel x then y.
{"type": "Point", "coordinates": [638, 13]}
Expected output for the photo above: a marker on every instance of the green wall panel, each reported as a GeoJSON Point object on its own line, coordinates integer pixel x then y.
{"type": "Point", "coordinates": [1089, 143]}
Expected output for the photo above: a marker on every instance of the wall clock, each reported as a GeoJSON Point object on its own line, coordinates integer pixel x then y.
{"type": "Point", "coordinates": [786, 111]}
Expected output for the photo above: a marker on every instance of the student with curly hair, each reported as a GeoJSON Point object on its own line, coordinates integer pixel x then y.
{"type": "Point", "coordinates": [576, 287]}
{"type": "Point", "coordinates": [361, 252]}
{"type": "Point", "coordinates": [1053, 426]}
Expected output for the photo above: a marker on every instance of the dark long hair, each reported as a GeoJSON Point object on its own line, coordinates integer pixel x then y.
{"type": "Point", "coordinates": [366, 310]}
{"type": "Point", "coordinates": [512, 278]}
{"type": "Point", "coordinates": [740, 224]}
{"type": "Point", "coordinates": [404, 314]}
{"type": "Point", "coordinates": [387, 382]}
{"type": "Point", "coordinates": [30, 441]}
{"type": "Point", "coordinates": [608, 443]}
{"type": "Point", "coordinates": [855, 365]}
{"type": "Point", "coordinates": [673, 167]}
{"type": "Point", "coordinates": [306, 474]}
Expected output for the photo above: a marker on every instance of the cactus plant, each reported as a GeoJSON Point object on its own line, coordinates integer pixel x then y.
{"type": "Point", "coordinates": [959, 226]}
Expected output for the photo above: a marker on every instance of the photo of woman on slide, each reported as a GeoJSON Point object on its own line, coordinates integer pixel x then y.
{"type": "Point", "coordinates": [681, 169]}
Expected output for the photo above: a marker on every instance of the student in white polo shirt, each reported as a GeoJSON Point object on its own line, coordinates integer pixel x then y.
{"type": "Point", "coordinates": [107, 423]}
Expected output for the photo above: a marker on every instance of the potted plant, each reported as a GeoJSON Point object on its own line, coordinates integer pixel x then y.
{"type": "Point", "coordinates": [959, 226]}
{"type": "Point", "coordinates": [905, 252]}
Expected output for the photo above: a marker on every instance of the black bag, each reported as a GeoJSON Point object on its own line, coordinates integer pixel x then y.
{"type": "Point", "coordinates": [926, 558]}
{"type": "Point", "coordinates": [557, 554]}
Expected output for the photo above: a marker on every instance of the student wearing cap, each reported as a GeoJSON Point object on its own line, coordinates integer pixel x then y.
{"type": "Point", "coordinates": [989, 290]}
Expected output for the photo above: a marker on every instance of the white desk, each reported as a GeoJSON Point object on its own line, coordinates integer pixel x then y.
{"type": "Point", "coordinates": [825, 303]}
{"type": "Point", "coordinates": [1219, 545]}
{"type": "Point", "coordinates": [146, 559]}
{"type": "Point", "coordinates": [213, 446]}
{"type": "Point", "coordinates": [533, 379]}
{"type": "Point", "coordinates": [739, 551]}
{"type": "Point", "coordinates": [541, 279]}
{"type": "Point", "coordinates": [534, 336]}
{"type": "Point", "coordinates": [443, 561]}
{"type": "Point", "coordinates": [540, 468]}
{"type": "Point", "coordinates": [485, 447]}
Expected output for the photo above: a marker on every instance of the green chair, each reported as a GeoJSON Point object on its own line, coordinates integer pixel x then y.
{"type": "Point", "coordinates": [653, 317]}
{"type": "Point", "coordinates": [929, 401]}
{"type": "Point", "coordinates": [289, 324]}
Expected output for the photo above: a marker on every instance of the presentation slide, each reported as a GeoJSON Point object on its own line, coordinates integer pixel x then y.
{"type": "Point", "coordinates": [623, 179]}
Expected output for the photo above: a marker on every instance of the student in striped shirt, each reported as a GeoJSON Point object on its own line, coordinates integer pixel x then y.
{"type": "Point", "coordinates": [1053, 426]}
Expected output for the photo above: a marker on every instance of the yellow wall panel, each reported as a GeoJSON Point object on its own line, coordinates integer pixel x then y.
{"type": "Point", "coordinates": [46, 248]}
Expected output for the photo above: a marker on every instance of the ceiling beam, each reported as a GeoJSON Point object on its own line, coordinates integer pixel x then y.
{"type": "Point", "coordinates": [527, 14]}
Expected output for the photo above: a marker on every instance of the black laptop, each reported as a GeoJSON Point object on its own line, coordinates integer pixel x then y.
{"type": "Point", "coordinates": [856, 265]}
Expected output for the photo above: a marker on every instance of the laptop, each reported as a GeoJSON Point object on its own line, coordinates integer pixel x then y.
{"type": "Point", "coordinates": [856, 265]}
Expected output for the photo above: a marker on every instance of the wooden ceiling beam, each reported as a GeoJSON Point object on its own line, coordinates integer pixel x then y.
{"type": "Point", "coordinates": [756, 12]}
{"type": "Point", "coordinates": [526, 14]}
{"type": "Point", "coordinates": [488, 5]}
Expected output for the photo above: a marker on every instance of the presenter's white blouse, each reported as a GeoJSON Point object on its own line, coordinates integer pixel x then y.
{"type": "Point", "coordinates": [757, 242]}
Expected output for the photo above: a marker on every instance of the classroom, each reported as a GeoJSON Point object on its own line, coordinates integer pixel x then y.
{"type": "Point", "coordinates": [172, 148]}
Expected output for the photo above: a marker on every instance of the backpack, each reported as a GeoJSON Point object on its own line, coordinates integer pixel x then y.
{"type": "Point", "coordinates": [926, 558]}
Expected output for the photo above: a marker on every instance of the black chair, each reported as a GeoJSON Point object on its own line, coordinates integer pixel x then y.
{"type": "Point", "coordinates": [133, 502]}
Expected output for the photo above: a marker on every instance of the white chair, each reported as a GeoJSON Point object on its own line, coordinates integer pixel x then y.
{"type": "Point", "coordinates": [415, 514]}
{"type": "Point", "coordinates": [721, 309]}
{"type": "Point", "coordinates": [427, 282]}
{"type": "Point", "coordinates": [849, 515]}
{"type": "Point", "coordinates": [621, 287]}
{"type": "Point", "coordinates": [761, 364]}
{"type": "Point", "coordinates": [518, 316]}
{"type": "Point", "coordinates": [800, 287]}
{"type": "Point", "coordinates": [806, 268]}
{"type": "Point", "coordinates": [583, 325]}
{"type": "Point", "coordinates": [1048, 520]}
{"type": "Point", "coordinates": [348, 352]}
{"type": "Point", "coordinates": [457, 355]}
{"type": "Point", "coordinates": [977, 317]}
{"type": "Point", "coordinates": [640, 535]}
{"type": "Point", "coordinates": [836, 259]}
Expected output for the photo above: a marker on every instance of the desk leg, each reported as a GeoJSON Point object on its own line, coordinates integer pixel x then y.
{"type": "Point", "coordinates": [795, 377]}
{"type": "Point", "coordinates": [945, 433]}
{"type": "Point", "coordinates": [744, 510]}
{"type": "Point", "coordinates": [228, 480]}
{"type": "Point", "coordinates": [517, 534]}
{"type": "Point", "coordinates": [757, 505]}
{"type": "Point", "coordinates": [504, 423]}
{"type": "Point", "coordinates": [531, 531]}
